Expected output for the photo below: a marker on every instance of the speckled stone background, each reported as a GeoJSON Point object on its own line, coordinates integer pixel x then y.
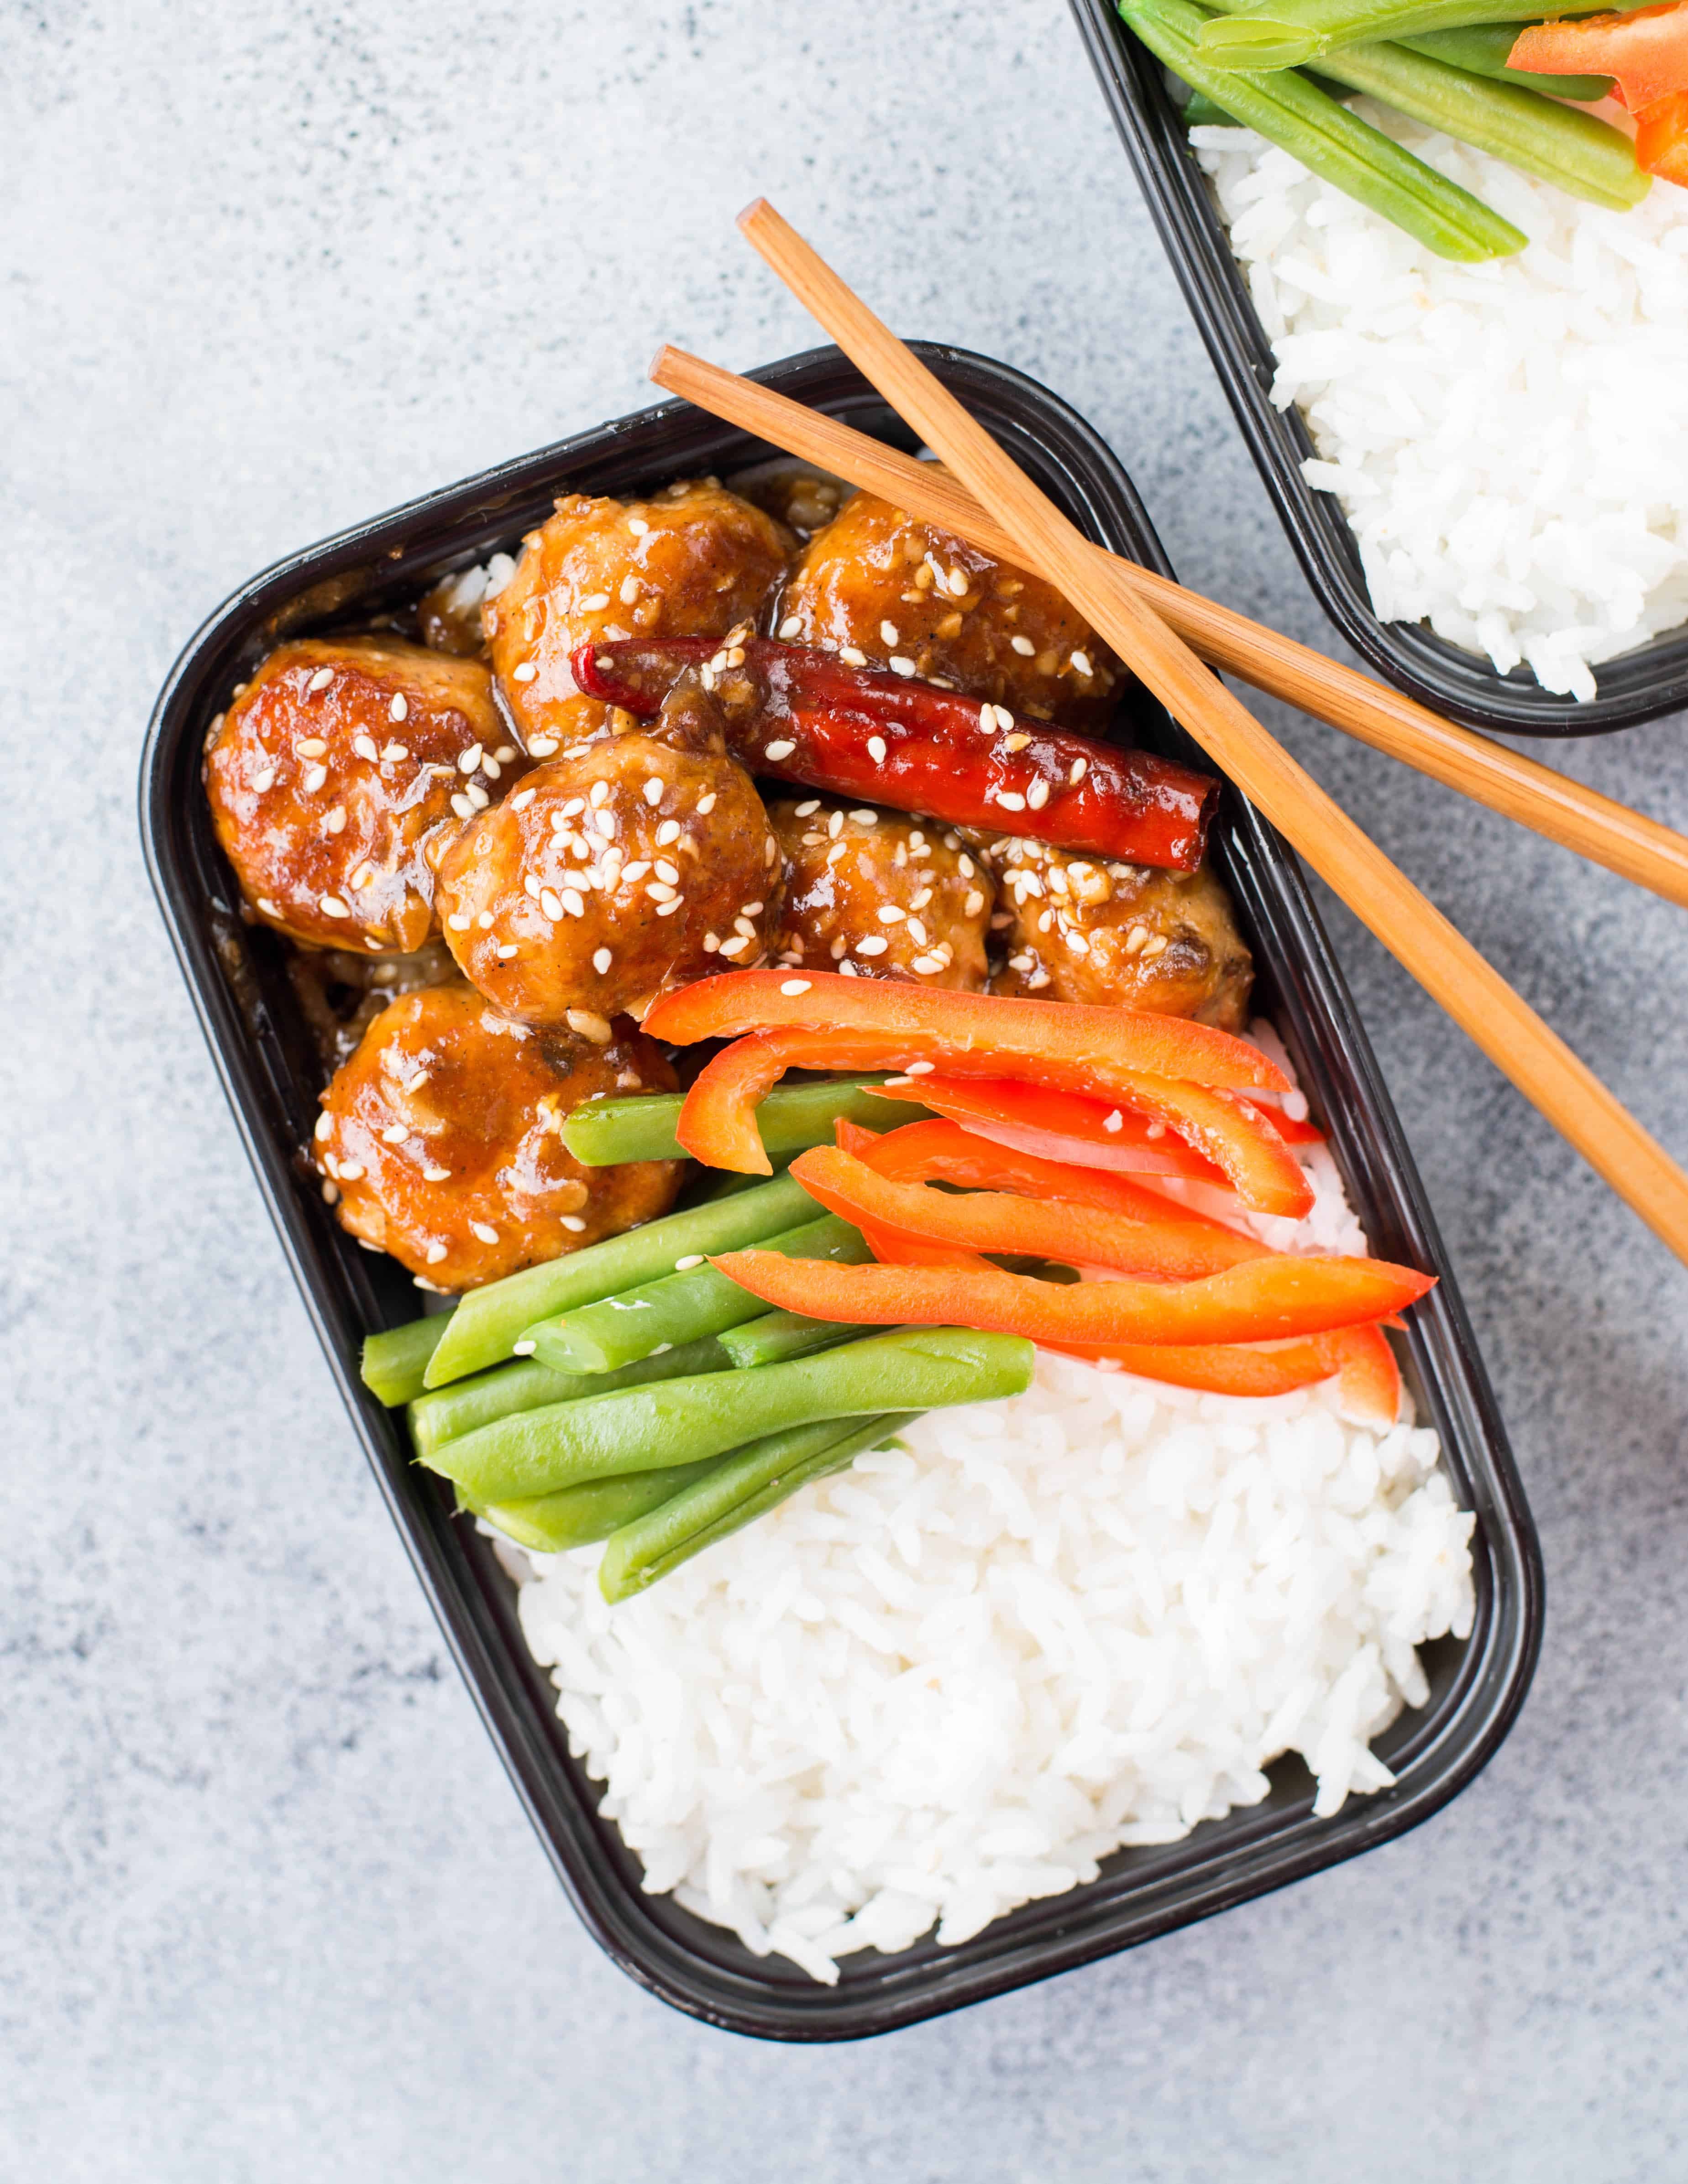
{"type": "Point", "coordinates": [271, 1911]}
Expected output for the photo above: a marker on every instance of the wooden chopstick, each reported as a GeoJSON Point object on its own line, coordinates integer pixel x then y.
{"type": "Point", "coordinates": [1443, 963]}
{"type": "Point", "coordinates": [1595, 826]}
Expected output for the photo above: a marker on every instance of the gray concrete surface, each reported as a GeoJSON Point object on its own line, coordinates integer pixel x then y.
{"type": "Point", "coordinates": [271, 1912]}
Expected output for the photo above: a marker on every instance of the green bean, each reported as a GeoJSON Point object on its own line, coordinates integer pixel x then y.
{"type": "Point", "coordinates": [1582, 155]}
{"type": "Point", "coordinates": [602, 1133]}
{"type": "Point", "coordinates": [1199, 112]}
{"type": "Point", "coordinates": [524, 1384]}
{"type": "Point", "coordinates": [488, 1323]}
{"type": "Point", "coordinates": [1281, 34]}
{"type": "Point", "coordinates": [394, 1362]}
{"type": "Point", "coordinates": [778, 1335]}
{"type": "Point", "coordinates": [549, 1524]}
{"type": "Point", "coordinates": [684, 1306]}
{"type": "Point", "coordinates": [737, 1490]}
{"type": "Point", "coordinates": [1325, 137]}
{"type": "Point", "coordinates": [1485, 49]}
{"type": "Point", "coordinates": [919, 1368]}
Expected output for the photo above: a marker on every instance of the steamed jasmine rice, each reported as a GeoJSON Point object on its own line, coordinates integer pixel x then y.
{"type": "Point", "coordinates": [1509, 441]}
{"type": "Point", "coordinates": [957, 1676]}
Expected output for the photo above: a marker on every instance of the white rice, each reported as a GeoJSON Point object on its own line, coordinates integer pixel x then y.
{"type": "Point", "coordinates": [1508, 441]}
{"type": "Point", "coordinates": [958, 1675]}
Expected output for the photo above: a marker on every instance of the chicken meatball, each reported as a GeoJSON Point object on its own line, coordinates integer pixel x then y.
{"type": "Point", "coordinates": [882, 590]}
{"type": "Point", "coordinates": [1128, 936]}
{"type": "Point", "coordinates": [693, 561]}
{"type": "Point", "coordinates": [338, 774]}
{"type": "Point", "coordinates": [881, 895]}
{"type": "Point", "coordinates": [638, 863]}
{"type": "Point", "coordinates": [441, 1139]}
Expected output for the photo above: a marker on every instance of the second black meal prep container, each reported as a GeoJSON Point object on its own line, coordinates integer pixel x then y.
{"type": "Point", "coordinates": [1642, 685]}
{"type": "Point", "coordinates": [272, 1077]}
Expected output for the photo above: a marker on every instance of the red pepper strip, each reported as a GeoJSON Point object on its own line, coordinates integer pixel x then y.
{"type": "Point", "coordinates": [1661, 138]}
{"type": "Point", "coordinates": [801, 714]}
{"type": "Point", "coordinates": [1062, 1128]}
{"type": "Point", "coordinates": [1647, 51]}
{"type": "Point", "coordinates": [1067, 1045]}
{"type": "Point", "coordinates": [1371, 1378]}
{"type": "Point", "coordinates": [944, 1152]}
{"type": "Point", "coordinates": [1259, 1301]}
{"type": "Point", "coordinates": [1222, 1368]}
{"type": "Point", "coordinates": [986, 1221]}
{"type": "Point", "coordinates": [1292, 1132]}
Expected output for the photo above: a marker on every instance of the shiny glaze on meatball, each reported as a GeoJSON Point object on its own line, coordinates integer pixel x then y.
{"type": "Point", "coordinates": [881, 895]}
{"type": "Point", "coordinates": [692, 561]}
{"type": "Point", "coordinates": [633, 864]}
{"type": "Point", "coordinates": [883, 590]}
{"type": "Point", "coordinates": [1078, 929]}
{"type": "Point", "coordinates": [336, 772]}
{"type": "Point", "coordinates": [441, 1139]}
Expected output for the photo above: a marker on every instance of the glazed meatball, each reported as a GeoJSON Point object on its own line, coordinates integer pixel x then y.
{"type": "Point", "coordinates": [638, 863]}
{"type": "Point", "coordinates": [338, 774]}
{"type": "Point", "coordinates": [883, 590]}
{"type": "Point", "coordinates": [1080, 929]}
{"type": "Point", "coordinates": [693, 561]}
{"type": "Point", "coordinates": [881, 895]}
{"type": "Point", "coordinates": [441, 1139]}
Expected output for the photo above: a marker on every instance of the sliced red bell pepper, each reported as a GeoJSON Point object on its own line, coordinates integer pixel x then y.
{"type": "Point", "coordinates": [1661, 138]}
{"type": "Point", "coordinates": [1226, 1368]}
{"type": "Point", "coordinates": [1371, 1378]}
{"type": "Point", "coordinates": [945, 1152]}
{"type": "Point", "coordinates": [1647, 51]}
{"type": "Point", "coordinates": [801, 714]}
{"type": "Point", "coordinates": [1163, 1248]}
{"type": "Point", "coordinates": [1259, 1301]}
{"type": "Point", "coordinates": [1071, 1045]}
{"type": "Point", "coordinates": [1062, 1128]}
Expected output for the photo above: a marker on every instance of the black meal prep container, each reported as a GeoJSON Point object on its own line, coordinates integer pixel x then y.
{"type": "Point", "coordinates": [270, 1074]}
{"type": "Point", "coordinates": [1642, 685]}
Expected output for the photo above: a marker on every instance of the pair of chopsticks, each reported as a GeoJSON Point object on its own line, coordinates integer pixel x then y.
{"type": "Point", "coordinates": [1152, 624]}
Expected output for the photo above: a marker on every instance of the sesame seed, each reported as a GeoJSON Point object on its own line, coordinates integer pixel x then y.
{"type": "Point", "coordinates": [491, 768]}
{"type": "Point", "coordinates": [331, 1193]}
{"type": "Point", "coordinates": [483, 1232]}
{"type": "Point", "coordinates": [325, 1127]}
{"type": "Point", "coordinates": [551, 903]}
{"type": "Point", "coordinates": [506, 948]}
{"type": "Point", "coordinates": [1010, 801]}
{"type": "Point", "coordinates": [1081, 664]}
{"type": "Point", "coordinates": [793, 987]}
{"type": "Point", "coordinates": [321, 679]}
{"type": "Point", "coordinates": [925, 965]}
{"type": "Point", "coordinates": [595, 605]}
{"type": "Point", "coordinates": [770, 851]}
{"type": "Point", "coordinates": [523, 1349]}
{"type": "Point", "coordinates": [1136, 940]}
{"type": "Point", "coordinates": [791, 626]}
{"type": "Point", "coordinates": [808, 808]}
{"type": "Point", "coordinates": [899, 664]}
{"type": "Point", "coordinates": [335, 823]}
{"type": "Point", "coordinates": [849, 970]}
{"type": "Point", "coordinates": [395, 1133]}
{"type": "Point", "coordinates": [541, 746]}
{"type": "Point", "coordinates": [265, 779]}
{"type": "Point", "coordinates": [310, 747]}
{"type": "Point", "coordinates": [1037, 795]}
{"type": "Point", "coordinates": [589, 1024]}
{"type": "Point", "coordinates": [742, 925]}
{"type": "Point", "coordinates": [351, 1171]}
{"type": "Point", "coordinates": [573, 1222]}
{"type": "Point", "coordinates": [573, 901]}
{"type": "Point", "coordinates": [684, 1264]}
{"type": "Point", "coordinates": [478, 799]}
{"type": "Point", "coordinates": [1158, 946]}
{"type": "Point", "coordinates": [484, 919]}
{"type": "Point", "coordinates": [1004, 718]}
{"type": "Point", "coordinates": [1081, 766]}
{"type": "Point", "coordinates": [660, 891]}
{"type": "Point", "coordinates": [422, 1282]}
{"type": "Point", "coordinates": [315, 778]}
{"type": "Point", "coordinates": [636, 870]}
{"type": "Point", "coordinates": [851, 657]}
{"type": "Point", "coordinates": [602, 961]}
{"type": "Point", "coordinates": [653, 789]}
{"type": "Point", "coordinates": [875, 944]}
{"type": "Point", "coordinates": [958, 582]}
{"type": "Point", "coordinates": [629, 590]}
{"type": "Point", "coordinates": [751, 909]}
{"type": "Point", "coordinates": [775, 751]}
{"type": "Point", "coordinates": [865, 818]}
{"type": "Point", "coordinates": [668, 872]}
{"type": "Point", "coordinates": [268, 908]}
{"type": "Point", "coordinates": [735, 946]}
{"type": "Point", "coordinates": [669, 831]}
{"type": "Point", "coordinates": [1023, 646]}
{"type": "Point", "coordinates": [637, 525]}
{"type": "Point", "coordinates": [974, 904]}
{"type": "Point", "coordinates": [436, 1175]}
{"type": "Point", "coordinates": [523, 799]}
{"type": "Point", "coordinates": [400, 710]}
{"type": "Point", "coordinates": [888, 633]}
{"type": "Point", "coordinates": [917, 932]}
{"type": "Point", "coordinates": [712, 941]}
{"type": "Point", "coordinates": [1019, 962]}
{"type": "Point", "coordinates": [835, 825]}
{"type": "Point", "coordinates": [393, 753]}
{"type": "Point", "coordinates": [876, 750]}
{"type": "Point", "coordinates": [1076, 942]}
{"type": "Point", "coordinates": [331, 907]}
{"type": "Point", "coordinates": [469, 759]}
{"type": "Point", "coordinates": [891, 913]}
